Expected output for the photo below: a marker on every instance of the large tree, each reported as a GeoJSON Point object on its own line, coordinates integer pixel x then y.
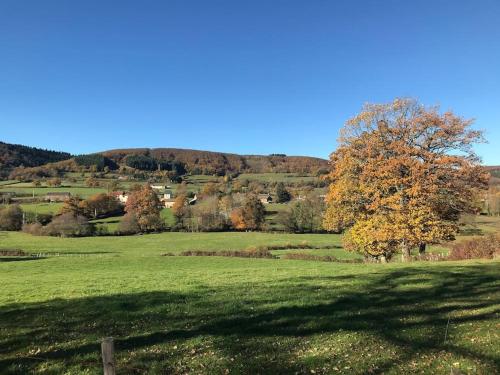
{"type": "Point", "coordinates": [401, 177]}
{"type": "Point", "coordinates": [143, 205]}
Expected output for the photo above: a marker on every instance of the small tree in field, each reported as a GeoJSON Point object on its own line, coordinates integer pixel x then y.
{"type": "Point", "coordinates": [145, 205]}
{"type": "Point", "coordinates": [282, 193]}
{"type": "Point", "coordinates": [250, 216]}
{"type": "Point", "coordinates": [11, 217]}
{"type": "Point", "coordinates": [401, 177]}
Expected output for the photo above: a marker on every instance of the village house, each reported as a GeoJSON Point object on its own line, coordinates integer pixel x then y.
{"type": "Point", "coordinates": [266, 198]}
{"type": "Point", "coordinates": [57, 196]}
{"type": "Point", "coordinates": [159, 187]}
{"type": "Point", "coordinates": [121, 196]}
{"type": "Point", "coordinates": [168, 199]}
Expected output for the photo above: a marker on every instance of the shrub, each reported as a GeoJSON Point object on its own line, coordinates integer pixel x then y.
{"type": "Point", "coordinates": [129, 224]}
{"type": "Point", "coordinates": [480, 247]}
{"type": "Point", "coordinates": [68, 225]}
{"type": "Point", "coordinates": [319, 258]}
{"type": "Point", "coordinates": [256, 253]}
{"type": "Point", "coordinates": [35, 229]}
{"type": "Point", "coordinates": [11, 218]}
{"type": "Point", "coordinates": [32, 218]}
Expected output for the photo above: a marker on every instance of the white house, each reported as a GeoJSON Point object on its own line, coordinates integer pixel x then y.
{"type": "Point", "coordinates": [121, 196]}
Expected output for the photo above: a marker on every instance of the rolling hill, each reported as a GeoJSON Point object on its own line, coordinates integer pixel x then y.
{"type": "Point", "coordinates": [17, 160]}
{"type": "Point", "coordinates": [13, 156]}
{"type": "Point", "coordinates": [209, 162]}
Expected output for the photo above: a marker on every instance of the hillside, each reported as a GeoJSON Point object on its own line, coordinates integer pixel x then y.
{"type": "Point", "coordinates": [209, 162]}
{"type": "Point", "coordinates": [22, 162]}
{"type": "Point", "coordinates": [12, 156]}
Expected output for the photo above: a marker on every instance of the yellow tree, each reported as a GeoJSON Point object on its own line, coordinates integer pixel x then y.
{"type": "Point", "coordinates": [401, 177]}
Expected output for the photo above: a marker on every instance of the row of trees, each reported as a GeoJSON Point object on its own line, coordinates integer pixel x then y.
{"type": "Point", "coordinates": [214, 213]}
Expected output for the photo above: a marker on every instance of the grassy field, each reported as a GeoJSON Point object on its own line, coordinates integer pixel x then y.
{"type": "Point", "coordinates": [276, 177]}
{"type": "Point", "coordinates": [29, 191]}
{"type": "Point", "coordinates": [42, 208]}
{"type": "Point", "coordinates": [199, 315]}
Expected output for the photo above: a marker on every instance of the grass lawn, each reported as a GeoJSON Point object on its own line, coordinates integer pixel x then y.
{"type": "Point", "coordinates": [42, 208]}
{"type": "Point", "coordinates": [83, 192]}
{"type": "Point", "coordinates": [276, 177]}
{"type": "Point", "coordinates": [199, 315]}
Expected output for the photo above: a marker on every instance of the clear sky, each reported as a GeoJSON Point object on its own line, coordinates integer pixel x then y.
{"type": "Point", "coordinates": [257, 76]}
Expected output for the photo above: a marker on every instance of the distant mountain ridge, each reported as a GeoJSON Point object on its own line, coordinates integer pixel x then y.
{"type": "Point", "coordinates": [36, 162]}
{"type": "Point", "coordinates": [212, 162]}
{"type": "Point", "coordinates": [13, 156]}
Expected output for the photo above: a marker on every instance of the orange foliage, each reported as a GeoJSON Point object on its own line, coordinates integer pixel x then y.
{"type": "Point", "coordinates": [402, 176]}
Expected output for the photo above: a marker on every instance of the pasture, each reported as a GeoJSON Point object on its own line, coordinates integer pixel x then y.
{"type": "Point", "coordinates": [175, 314]}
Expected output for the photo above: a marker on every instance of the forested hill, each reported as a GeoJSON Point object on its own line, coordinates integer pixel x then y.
{"type": "Point", "coordinates": [209, 162]}
{"type": "Point", "coordinates": [12, 156]}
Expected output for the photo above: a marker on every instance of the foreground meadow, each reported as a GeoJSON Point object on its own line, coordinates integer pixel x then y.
{"type": "Point", "coordinates": [174, 314]}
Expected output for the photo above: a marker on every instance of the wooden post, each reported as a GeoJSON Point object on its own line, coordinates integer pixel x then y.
{"type": "Point", "coordinates": [108, 350]}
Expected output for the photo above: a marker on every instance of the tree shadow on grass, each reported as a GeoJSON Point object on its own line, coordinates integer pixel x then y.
{"type": "Point", "coordinates": [406, 309]}
{"type": "Point", "coordinates": [19, 259]}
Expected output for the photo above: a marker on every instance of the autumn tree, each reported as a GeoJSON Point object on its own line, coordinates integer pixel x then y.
{"type": "Point", "coordinates": [100, 205]}
{"type": "Point", "coordinates": [180, 208]}
{"type": "Point", "coordinates": [92, 182]}
{"type": "Point", "coordinates": [492, 201]}
{"type": "Point", "coordinates": [250, 216]}
{"type": "Point", "coordinates": [401, 177]}
{"type": "Point", "coordinates": [72, 205]}
{"type": "Point", "coordinates": [144, 205]}
{"type": "Point", "coordinates": [11, 217]}
{"type": "Point", "coordinates": [56, 182]}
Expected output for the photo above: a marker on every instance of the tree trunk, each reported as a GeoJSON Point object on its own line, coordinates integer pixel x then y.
{"type": "Point", "coordinates": [421, 248]}
{"type": "Point", "coordinates": [406, 251]}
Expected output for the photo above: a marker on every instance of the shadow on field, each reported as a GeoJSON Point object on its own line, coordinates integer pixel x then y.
{"type": "Point", "coordinates": [19, 259]}
{"type": "Point", "coordinates": [406, 309]}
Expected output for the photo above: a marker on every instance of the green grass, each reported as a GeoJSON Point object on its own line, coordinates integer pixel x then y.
{"type": "Point", "coordinates": [199, 315]}
{"type": "Point", "coordinates": [337, 253]}
{"type": "Point", "coordinates": [278, 177]}
{"type": "Point", "coordinates": [83, 192]}
{"type": "Point", "coordinates": [42, 208]}
{"type": "Point", "coordinates": [7, 182]}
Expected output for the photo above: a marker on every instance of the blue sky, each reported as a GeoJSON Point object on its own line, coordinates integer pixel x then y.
{"type": "Point", "coordinates": [260, 76]}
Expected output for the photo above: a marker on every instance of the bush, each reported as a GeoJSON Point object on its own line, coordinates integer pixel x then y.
{"type": "Point", "coordinates": [129, 224]}
{"type": "Point", "coordinates": [68, 225]}
{"type": "Point", "coordinates": [257, 253]}
{"type": "Point", "coordinates": [32, 218]}
{"type": "Point", "coordinates": [476, 248]}
{"type": "Point", "coordinates": [35, 229]}
{"type": "Point", "coordinates": [319, 258]}
{"type": "Point", "coordinates": [11, 218]}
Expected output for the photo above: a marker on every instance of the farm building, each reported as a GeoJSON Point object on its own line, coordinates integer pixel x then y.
{"type": "Point", "coordinates": [168, 203]}
{"type": "Point", "coordinates": [159, 187]}
{"type": "Point", "coordinates": [266, 198]}
{"type": "Point", "coordinates": [57, 196]}
{"type": "Point", "coordinates": [121, 196]}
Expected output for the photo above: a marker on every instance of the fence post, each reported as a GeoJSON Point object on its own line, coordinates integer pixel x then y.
{"type": "Point", "coordinates": [108, 350]}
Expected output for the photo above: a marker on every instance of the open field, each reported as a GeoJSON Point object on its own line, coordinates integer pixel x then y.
{"type": "Point", "coordinates": [277, 177]}
{"type": "Point", "coordinates": [172, 314]}
{"type": "Point", "coordinates": [42, 208]}
{"type": "Point", "coordinates": [83, 192]}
